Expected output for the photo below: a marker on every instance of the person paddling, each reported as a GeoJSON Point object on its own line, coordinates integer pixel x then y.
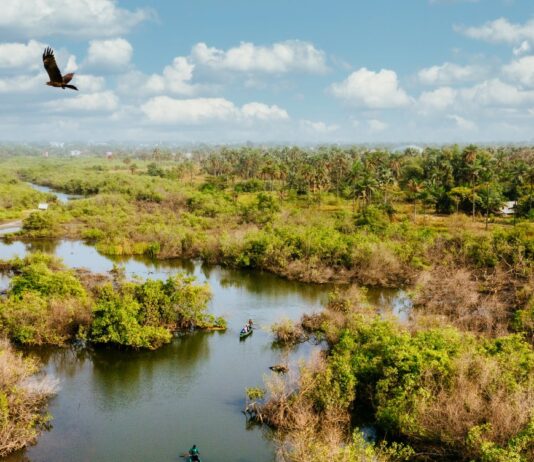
{"type": "Point", "coordinates": [194, 454]}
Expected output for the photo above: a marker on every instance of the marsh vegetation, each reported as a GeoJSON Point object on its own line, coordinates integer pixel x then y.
{"type": "Point", "coordinates": [454, 382]}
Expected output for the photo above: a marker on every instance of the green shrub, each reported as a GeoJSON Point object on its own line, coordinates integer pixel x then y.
{"type": "Point", "coordinates": [38, 221]}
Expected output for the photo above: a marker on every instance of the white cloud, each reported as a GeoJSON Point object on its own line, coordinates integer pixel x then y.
{"type": "Point", "coordinates": [163, 109]}
{"type": "Point", "coordinates": [174, 79]}
{"type": "Point", "coordinates": [71, 66]}
{"type": "Point", "coordinates": [494, 92]}
{"type": "Point", "coordinates": [462, 123]}
{"type": "Point", "coordinates": [438, 99]}
{"type": "Point", "coordinates": [319, 127]}
{"type": "Point", "coordinates": [21, 55]}
{"type": "Point", "coordinates": [87, 83]}
{"type": "Point", "coordinates": [522, 48]}
{"type": "Point", "coordinates": [166, 110]}
{"type": "Point", "coordinates": [500, 31]}
{"type": "Point", "coordinates": [281, 57]}
{"type": "Point", "coordinates": [111, 55]}
{"type": "Point", "coordinates": [262, 111]}
{"type": "Point", "coordinates": [376, 90]}
{"type": "Point", "coordinates": [95, 102]}
{"type": "Point", "coordinates": [449, 73]}
{"type": "Point", "coordinates": [521, 70]}
{"type": "Point", "coordinates": [376, 125]}
{"type": "Point", "coordinates": [80, 18]}
{"type": "Point", "coordinates": [23, 83]}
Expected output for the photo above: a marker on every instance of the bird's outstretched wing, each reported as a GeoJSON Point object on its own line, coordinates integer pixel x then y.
{"type": "Point", "coordinates": [68, 77]}
{"type": "Point", "coordinates": [51, 67]}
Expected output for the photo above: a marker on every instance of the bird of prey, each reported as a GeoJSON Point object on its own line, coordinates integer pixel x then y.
{"type": "Point", "coordinates": [56, 79]}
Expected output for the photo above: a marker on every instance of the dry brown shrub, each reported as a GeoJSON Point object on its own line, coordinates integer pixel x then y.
{"type": "Point", "coordinates": [313, 322]}
{"type": "Point", "coordinates": [53, 321]}
{"type": "Point", "coordinates": [22, 399]}
{"type": "Point", "coordinates": [383, 268]}
{"type": "Point", "coordinates": [174, 201]}
{"type": "Point", "coordinates": [475, 396]}
{"type": "Point", "coordinates": [456, 295]}
{"type": "Point", "coordinates": [309, 270]}
{"type": "Point", "coordinates": [91, 281]}
{"type": "Point", "coordinates": [348, 299]}
{"type": "Point", "coordinates": [66, 316]}
{"type": "Point", "coordinates": [302, 433]}
{"type": "Point", "coordinates": [288, 332]}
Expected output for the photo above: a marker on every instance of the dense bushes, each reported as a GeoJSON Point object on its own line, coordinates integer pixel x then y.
{"type": "Point", "coordinates": [117, 321]}
{"type": "Point", "coordinates": [145, 315]}
{"type": "Point", "coordinates": [48, 304]}
{"type": "Point", "coordinates": [444, 392]}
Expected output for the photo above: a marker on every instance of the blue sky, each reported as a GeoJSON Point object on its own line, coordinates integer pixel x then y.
{"type": "Point", "coordinates": [429, 71]}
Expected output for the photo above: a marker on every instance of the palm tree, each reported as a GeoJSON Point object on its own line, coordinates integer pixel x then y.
{"type": "Point", "coordinates": [415, 188]}
{"type": "Point", "coordinates": [473, 168]}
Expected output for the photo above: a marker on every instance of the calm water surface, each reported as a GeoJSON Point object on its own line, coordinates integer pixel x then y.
{"type": "Point", "coordinates": [151, 406]}
{"type": "Point", "coordinates": [61, 197]}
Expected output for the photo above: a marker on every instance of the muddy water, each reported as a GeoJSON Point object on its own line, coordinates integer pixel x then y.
{"type": "Point", "coordinates": [142, 406]}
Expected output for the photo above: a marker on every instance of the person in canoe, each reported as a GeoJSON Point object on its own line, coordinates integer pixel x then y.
{"type": "Point", "coordinates": [194, 455]}
{"type": "Point", "coordinates": [247, 327]}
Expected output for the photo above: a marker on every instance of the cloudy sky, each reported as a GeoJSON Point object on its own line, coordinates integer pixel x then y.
{"type": "Point", "coordinates": [304, 71]}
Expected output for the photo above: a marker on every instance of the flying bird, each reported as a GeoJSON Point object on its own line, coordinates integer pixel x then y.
{"type": "Point", "coordinates": [56, 79]}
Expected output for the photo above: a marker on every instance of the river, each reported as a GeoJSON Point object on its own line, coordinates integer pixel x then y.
{"type": "Point", "coordinates": [61, 197]}
{"type": "Point", "coordinates": [153, 405]}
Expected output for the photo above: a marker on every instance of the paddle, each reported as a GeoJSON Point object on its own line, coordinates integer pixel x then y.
{"type": "Point", "coordinates": [185, 454]}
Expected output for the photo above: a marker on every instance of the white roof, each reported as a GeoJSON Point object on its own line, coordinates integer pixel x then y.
{"type": "Point", "coordinates": [508, 208]}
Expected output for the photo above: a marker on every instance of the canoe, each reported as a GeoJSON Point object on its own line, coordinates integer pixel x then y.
{"type": "Point", "coordinates": [245, 334]}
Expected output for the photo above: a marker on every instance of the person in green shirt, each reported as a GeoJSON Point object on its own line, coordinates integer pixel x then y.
{"type": "Point", "coordinates": [194, 454]}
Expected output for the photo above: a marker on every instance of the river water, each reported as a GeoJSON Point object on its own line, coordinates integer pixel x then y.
{"type": "Point", "coordinates": [61, 197]}
{"type": "Point", "coordinates": [116, 405]}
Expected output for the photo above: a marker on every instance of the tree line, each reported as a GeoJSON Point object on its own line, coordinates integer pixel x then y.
{"type": "Point", "coordinates": [472, 179]}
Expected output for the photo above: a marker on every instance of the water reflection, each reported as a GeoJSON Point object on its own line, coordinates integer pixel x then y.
{"type": "Point", "coordinates": [9, 229]}
{"type": "Point", "coordinates": [391, 302]}
{"type": "Point", "coordinates": [44, 245]}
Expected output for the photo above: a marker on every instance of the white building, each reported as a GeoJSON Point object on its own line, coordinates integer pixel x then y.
{"type": "Point", "coordinates": [508, 208]}
{"type": "Point", "coordinates": [42, 206]}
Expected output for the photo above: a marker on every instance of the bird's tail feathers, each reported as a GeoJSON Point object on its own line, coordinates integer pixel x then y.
{"type": "Point", "coordinates": [68, 77]}
{"type": "Point", "coordinates": [72, 87]}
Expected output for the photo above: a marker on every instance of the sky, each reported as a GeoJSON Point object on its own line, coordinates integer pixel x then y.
{"type": "Point", "coordinates": [278, 71]}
